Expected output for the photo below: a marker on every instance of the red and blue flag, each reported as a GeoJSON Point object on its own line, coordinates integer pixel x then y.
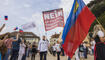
{"type": "Point", "coordinates": [76, 27]}
{"type": "Point", "coordinates": [16, 28]}
{"type": "Point", "coordinates": [6, 17]}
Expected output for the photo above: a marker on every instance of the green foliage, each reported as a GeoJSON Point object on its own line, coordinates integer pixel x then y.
{"type": "Point", "coordinates": [92, 26]}
{"type": "Point", "coordinates": [94, 2]}
{"type": "Point", "coordinates": [91, 3]}
{"type": "Point", "coordinates": [102, 19]}
{"type": "Point", "coordinates": [98, 1]}
{"type": "Point", "coordinates": [99, 11]}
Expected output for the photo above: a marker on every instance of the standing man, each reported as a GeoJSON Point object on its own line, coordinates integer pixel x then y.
{"type": "Point", "coordinates": [43, 47]}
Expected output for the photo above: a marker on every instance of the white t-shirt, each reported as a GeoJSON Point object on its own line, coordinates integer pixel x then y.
{"type": "Point", "coordinates": [43, 45]}
{"type": "Point", "coordinates": [58, 47]}
{"type": "Point", "coordinates": [93, 44]}
{"type": "Point", "coordinates": [54, 48]}
{"type": "Point", "coordinates": [84, 45]}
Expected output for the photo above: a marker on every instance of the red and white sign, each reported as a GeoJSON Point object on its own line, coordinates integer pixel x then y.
{"type": "Point", "coordinates": [53, 19]}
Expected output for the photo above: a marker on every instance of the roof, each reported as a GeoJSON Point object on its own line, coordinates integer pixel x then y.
{"type": "Point", "coordinates": [24, 35]}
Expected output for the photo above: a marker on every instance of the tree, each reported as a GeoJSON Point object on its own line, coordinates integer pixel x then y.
{"type": "Point", "coordinates": [99, 11]}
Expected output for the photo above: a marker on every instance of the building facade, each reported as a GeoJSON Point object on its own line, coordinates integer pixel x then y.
{"type": "Point", "coordinates": [28, 36]}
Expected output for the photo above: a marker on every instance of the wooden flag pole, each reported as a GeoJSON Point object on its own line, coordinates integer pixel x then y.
{"type": "Point", "coordinates": [100, 24]}
{"type": "Point", "coordinates": [98, 21]}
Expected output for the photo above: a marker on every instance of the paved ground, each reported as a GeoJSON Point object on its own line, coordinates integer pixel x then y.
{"type": "Point", "coordinates": [50, 57]}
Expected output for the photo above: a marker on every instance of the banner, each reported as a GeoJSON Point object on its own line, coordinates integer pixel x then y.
{"type": "Point", "coordinates": [28, 25]}
{"type": "Point", "coordinates": [53, 19]}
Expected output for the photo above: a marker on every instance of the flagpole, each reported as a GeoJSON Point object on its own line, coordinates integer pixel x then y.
{"type": "Point", "coordinates": [99, 23]}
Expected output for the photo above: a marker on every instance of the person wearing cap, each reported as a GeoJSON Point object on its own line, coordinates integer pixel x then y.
{"type": "Point", "coordinates": [99, 52]}
{"type": "Point", "coordinates": [43, 48]}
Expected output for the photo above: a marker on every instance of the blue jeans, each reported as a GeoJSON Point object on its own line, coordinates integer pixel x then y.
{"type": "Point", "coordinates": [7, 54]}
{"type": "Point", "coordinates": [93, 51]}
{"type": "Point", "coordinates": [85, 54]}
{"type": "Point", "coordinates": [24, 56]}
{"type": "Point", "coordinates": [14, 55]}
{"type": "Point", "coordinates": [43, 55]}
{"type": "Point", "coordinates": [58, 55]}
{"type": "Point", "coordinates": [69, 58]}
{"type": "Point", "coordinates": [0, 55]}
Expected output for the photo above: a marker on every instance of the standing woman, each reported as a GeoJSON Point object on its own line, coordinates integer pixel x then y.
{"type": "Point", "coordinates": [58, 50]}
{"type": "Point", "coordinates": [8, 42]}
{"type": "Point", "coordinates": [34, 51]}
{"type": "Point", "coordinates": [21, 50]}
{"type": "Point", "coordinates": [100, 46]}
{"type": "Point", "coordinates": [25, 55]}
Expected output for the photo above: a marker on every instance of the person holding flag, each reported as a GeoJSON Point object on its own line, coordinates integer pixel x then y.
{"type": "Point", "coordinates": [99, 52]}
{"type": "Point", "coordinates": [76, 27]}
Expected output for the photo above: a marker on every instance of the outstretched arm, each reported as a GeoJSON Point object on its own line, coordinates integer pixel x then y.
{"type": "Point", "coordinates": [2, 27]}
{"type": "Point", "coordinates": [17, 37]}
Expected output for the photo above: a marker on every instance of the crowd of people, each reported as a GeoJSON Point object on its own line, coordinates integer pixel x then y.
{"type": "Point", "coordinates": [81, 53]}
{"type": "Point", "coordinates": [17, 48]}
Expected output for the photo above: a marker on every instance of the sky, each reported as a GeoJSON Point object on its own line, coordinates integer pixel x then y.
{"type": "Point", "coordinates": [20, 12]}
